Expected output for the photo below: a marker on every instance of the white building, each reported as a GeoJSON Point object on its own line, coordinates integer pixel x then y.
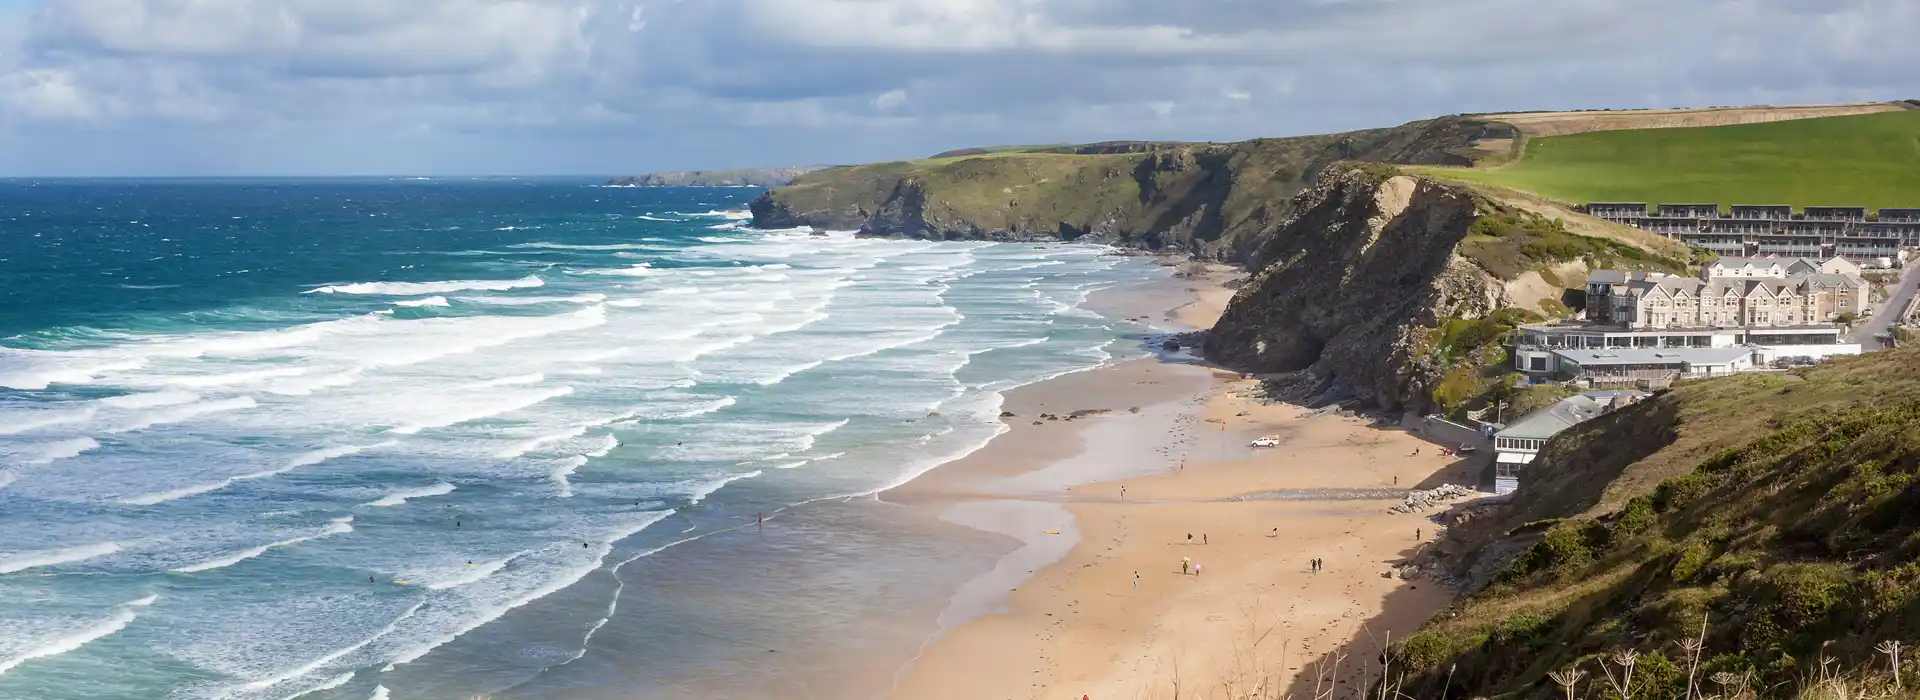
{"type": "Point", "coordinates": [1516, 445]}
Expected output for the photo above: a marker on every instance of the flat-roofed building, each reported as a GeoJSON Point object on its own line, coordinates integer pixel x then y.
{"type": "Point", "coordinates": [1739, 225]}
{"type": "Point", "coordinates": [1893, 214]}
{"type": "Point", "coordinates": [1626, 365]}
{"type": "Point", "coordinates": [1722, 244]}
{"type": "Point", "coordinates": [1517, 445]}
{"type": "Point", "coordinates": [1614, 211]}
{"type": "Point", "coordinates": [1687, 211]}
{"type": "Point", "coordinates": [1788, 245]}
{"type": "Point", "coordinates": [1835, 213]}
{"type": "Point", "coordinates": [1779, 212]}
{"type": "Point", "coordinates": [1668, 225]}
{"type": "Point", "coordinates": [1907, 232]}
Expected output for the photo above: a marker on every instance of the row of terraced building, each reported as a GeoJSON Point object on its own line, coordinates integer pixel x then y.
{"type": "Point", "coordinates": [1754, 230]}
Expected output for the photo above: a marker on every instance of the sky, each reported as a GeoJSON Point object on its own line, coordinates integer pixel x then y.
{"type": "Point", "coordinates": [588, 87]}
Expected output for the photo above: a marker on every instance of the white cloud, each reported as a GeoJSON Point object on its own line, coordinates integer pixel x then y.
{"type": "Point", "coordinates": [597, 85]}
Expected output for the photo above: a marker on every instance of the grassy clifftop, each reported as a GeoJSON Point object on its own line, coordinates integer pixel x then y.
{"type": "Point", "coordinates": [1776, 517]}
{"type": "Point", "coordinates": [1863, 160]}
{"type": "Point", "coordinates": [1212, 198]}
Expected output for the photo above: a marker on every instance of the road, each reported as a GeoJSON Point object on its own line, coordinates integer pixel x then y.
{"type": "Point", "coordinates": [1866, 332]}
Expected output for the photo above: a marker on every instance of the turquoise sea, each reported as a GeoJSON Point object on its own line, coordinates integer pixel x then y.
{"type": "Point", "coordinates": [424, 438]}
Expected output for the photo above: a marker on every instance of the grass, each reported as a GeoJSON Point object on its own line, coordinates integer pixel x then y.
{"type": "Point", "coordinates": [1868, 160]}
{"type": "Point", "coordinates": [1774, 519]}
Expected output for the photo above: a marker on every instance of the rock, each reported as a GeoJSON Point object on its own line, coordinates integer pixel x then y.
{"type": "Point", "coordinates": [1006, 414]}
{"type": "Point", "coordinates": [1422, 500]}
{"type": "Point", "coordinates": [1343, 294]}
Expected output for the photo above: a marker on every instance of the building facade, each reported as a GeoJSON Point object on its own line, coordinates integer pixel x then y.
{"type": "Point", "coordinates": [1773, 229]}
{"type": "Point", "coordinates": [1733, 292]}
{"type": "Point", "coordinates": [1518, 444]}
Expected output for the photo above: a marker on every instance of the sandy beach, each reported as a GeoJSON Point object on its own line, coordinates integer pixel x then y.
{"type": "Point", "coordinates": [1154, 477]}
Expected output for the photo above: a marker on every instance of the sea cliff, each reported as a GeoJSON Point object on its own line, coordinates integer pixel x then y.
{"type": "Point", "coordinates": [1210, 199]}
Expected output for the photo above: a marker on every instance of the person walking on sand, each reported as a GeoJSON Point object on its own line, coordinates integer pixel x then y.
{"type": "Point", "coordinates": [1416, 533]}
{"type": "Point", "coordinates": [1196, 569]}
{"type": "Point", "coordinates": [1203, 538]}
{"type": "Point", "coordinates": [1136, 579]}
{"type": "Point", "coordinates": [1123, 492]}
{"type": "Point", "coordinates": [1185, 565]}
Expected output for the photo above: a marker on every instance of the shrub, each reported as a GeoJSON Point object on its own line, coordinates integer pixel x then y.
{"type": "Point", "coordinates": [1634, 519]}
{"type": "Point", "coordinates": [1692, 559]}
{"type": "Point", "coordinates": [1677, 492]}
{"type": "Point", "coordinates": [1427, 649]}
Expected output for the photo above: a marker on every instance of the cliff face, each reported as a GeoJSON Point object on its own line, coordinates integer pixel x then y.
{"type": "Point", "coordinates": [1209, 199]}
{"type": "Point", "coordinates": [1351, 287]}
{"type": "Point", "coordinates": [744, 177]}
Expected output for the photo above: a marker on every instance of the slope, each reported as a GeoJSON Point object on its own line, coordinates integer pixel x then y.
{"type": "Point", "coordinates": [1782, 512]}
{"type": "Point", "coordinates": [1862, 160]}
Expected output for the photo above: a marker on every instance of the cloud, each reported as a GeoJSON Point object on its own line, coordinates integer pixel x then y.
{"type": "Point", "coordinates": [540, 86]}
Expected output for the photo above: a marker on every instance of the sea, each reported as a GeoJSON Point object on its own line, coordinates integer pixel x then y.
{"type": "Point", "coordinates": [397, 438]}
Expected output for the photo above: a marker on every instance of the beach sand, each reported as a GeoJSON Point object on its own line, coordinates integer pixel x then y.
{"type": "Point", "coordinates": [1094, 602]}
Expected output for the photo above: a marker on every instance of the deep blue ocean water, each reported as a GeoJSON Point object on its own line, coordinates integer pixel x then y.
{"type": "Point", "coordinates": [268, 439]}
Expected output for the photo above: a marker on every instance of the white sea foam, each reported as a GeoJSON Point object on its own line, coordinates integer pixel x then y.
{"type": "Point", "coordinates": [26, 421]}
{"type": "Point", "coordinates": [560, 580]}
{"type": "Point", "coordinates": [542, 441]}
{"type": "Point", "coordinates": [72, 640]}
{"type": "Point", "coordinates": [401, 289]}
{"type": "Point", "coordinates": [607, 443]}
{"type": "Point", "coordinates": [588, 298]}
{"type": "Point", "coordinates": [474, 573]}
{"type": "Point", "coordinates": [232, 378]}
{"type": "Point", "coordinates": [514, 380]}
{"type": "Point", "coordinates": [464, 413]}
{"type": "Point", "coordinates": [185, 412]}
{"type": "Point", "coordinates": [700, 493]}
{"type": "Point", "coordinates": [379, 693]}
{"type": "Point", "coordinates": [734, 214]}
{"type": "Point", "coordinates": [401, 496]}
{"type": "Point", "coordinates": [337, 527]}
{"type": "Point", "coordinates": [308, 385]}
{"type": "Point", "coordinates": [331, 657]}
{"type": "Point", "coordinates": [429, 301]}
{"type": "Point", "coordinates": [22, 561]}
{"type": "Point", "coordinates": [571, 246]}
{"type": "Point", "coordinates": [330, 684]}
{"type": "Point", "coordinates": [55, 451]}
{"type": "Point", "coordinates": [565, 468]}
{"type": "Point", "coordinates": [154, 399]}
{"type": "Point", "coordinates": [640, 270]}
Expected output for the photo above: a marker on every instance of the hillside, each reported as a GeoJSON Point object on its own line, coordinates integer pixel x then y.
{"type": "Point", "coordinates": [1781, 512]}
{"type": "Point", "coordinates": [1861, 160]}
{"type": "Point", "coordinates": [1213, 199]}
{"type": "Point", "coordinates": [1396, 289]}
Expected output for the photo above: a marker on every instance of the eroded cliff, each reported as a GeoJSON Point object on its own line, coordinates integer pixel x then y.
{"type": "Point", "coordinates": [1216, 200]}
{"type": "Point", "coordinates": [1398, 289]}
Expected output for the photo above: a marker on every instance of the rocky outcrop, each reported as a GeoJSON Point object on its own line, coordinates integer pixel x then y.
{"type": "Point", "coordinates": [1351, 286]}
{"type": "Point", "coordinates": [1213, 200]}
{"type": "Point", "coordinates": [744, 177]}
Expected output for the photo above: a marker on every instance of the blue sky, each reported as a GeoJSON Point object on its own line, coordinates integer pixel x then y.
{"type": "Point", "coordinates": [290, 87]}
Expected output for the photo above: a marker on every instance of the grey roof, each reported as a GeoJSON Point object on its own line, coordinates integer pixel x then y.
{"type": "Point", "coordinates": [1654, 356]}
{"type": "Point", "coordinates": [1547, 421]}
{"type": "Point", "coordinates": [1607, 277]}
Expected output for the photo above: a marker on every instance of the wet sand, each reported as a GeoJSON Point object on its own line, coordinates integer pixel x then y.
{"type": "Point", "coordinates": [1094, 601]}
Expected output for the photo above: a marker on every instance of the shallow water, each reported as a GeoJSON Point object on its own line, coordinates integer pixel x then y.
{"type": "Point", "coordinates": [541, 416]}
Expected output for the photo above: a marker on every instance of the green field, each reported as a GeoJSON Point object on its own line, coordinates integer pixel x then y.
{"type": "Point", "coordinates": [1868, 160]}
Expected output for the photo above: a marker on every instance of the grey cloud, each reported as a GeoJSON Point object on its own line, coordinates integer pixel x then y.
{"type": "Point", "coordinates": [622, 85]}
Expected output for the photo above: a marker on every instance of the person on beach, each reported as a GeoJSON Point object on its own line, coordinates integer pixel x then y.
{"type": "Point", "coordinates": [1203, 538]}
{"type": "Point", "coordinates": [1185, 565]}
{"type": "Point", "coordinates": [1123, 493]}
{"type": "Point", "coordinates": [1136, 579]}
{"type": "Point", "coordinates": [1196, 569]}
{"type": "Point", "coordinates": [1189, 538]}
{"type": "Point", "coordinates": [1416, 533]}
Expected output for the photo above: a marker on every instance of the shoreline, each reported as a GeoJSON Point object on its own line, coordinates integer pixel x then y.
{"type": "Point", "coordinates": [1063, 613]}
